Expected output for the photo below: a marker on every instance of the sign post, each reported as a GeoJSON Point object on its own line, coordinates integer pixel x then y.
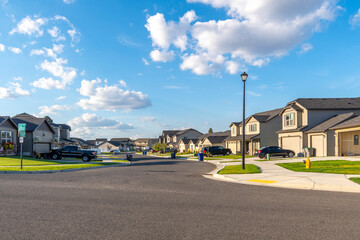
{"type": "Point", "coordinates": [22, 134]}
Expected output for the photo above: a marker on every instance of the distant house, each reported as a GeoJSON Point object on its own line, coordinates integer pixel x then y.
{"type": "Point", "coordinates": [99, 141]}
{"type": "Point", "coordinates": [8, 133]}
{"type": "Point", "coordinates": [186, 145]}
{"type": "Point", "coordinates": [212, 139]}
{"type": "Point", "coordinates": [145, 143]}
{"type": "Point", "coordinates": [39, 134]}
{"type": "Point", "coordinates": [82, 143]}
{"type": "Point", "coordinates": [110, 146]}
{"type": "Point", "coordinates": [126, 143]}
{"type": "Point", "coordinates": [62, 135]}
{"type": "Point", "coordinates": [260, 131]}
{"type": "Point", "coordinates": [172, 137]}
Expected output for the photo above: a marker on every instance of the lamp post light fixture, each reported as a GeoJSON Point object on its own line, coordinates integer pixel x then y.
{"type": "Point", "coordinates": [243, 78]}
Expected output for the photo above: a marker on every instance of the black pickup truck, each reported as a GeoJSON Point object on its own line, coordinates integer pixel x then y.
{"type": "Point", "coordinates": [73, 151]}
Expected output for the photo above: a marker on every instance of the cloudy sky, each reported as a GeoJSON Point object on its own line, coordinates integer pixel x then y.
{"type": "Point", "coordinates": [120, 68]}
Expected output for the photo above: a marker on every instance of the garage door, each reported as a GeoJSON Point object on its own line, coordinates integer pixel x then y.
{"type": "Point", "coordinates": [291, 143]}
{"type": "Point", "coordinates": [42, 147]}
{"type": "Point", "coordinates": [232, 146]}
{"type": "Point", "coordinates": [317, 142]}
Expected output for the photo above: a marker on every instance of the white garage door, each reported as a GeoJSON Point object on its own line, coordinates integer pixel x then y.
{"type": "Point", "coordinates": [291, 143]}
{"type": "Point", "coordinates": [232, 147]}
{"type": "Point", "coordinates": [317, 142]}
{"type": "Point", "coordinates": [42, 147]}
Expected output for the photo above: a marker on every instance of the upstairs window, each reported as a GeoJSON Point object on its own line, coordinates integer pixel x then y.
{"type": "Point", "coordinates": [253, 127]}
{"type": "Point", "coordinates": [356, 139]}
{"type": "Point", "coordinates": [289, 119]}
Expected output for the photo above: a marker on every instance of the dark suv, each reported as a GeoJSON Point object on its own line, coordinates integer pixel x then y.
{"type": "Point", "coordinates": [274, 151]}
{"type": "Point", "coordinates": [218, 150]}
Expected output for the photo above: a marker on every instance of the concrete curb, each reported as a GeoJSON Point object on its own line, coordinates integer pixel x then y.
{"type": "Point", "coordinates": [63, 170]}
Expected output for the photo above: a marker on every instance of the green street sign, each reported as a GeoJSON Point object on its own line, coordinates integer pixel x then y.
{"type": "Point", "coordinates": [22, 134]}
{"type": "Point", "coordinates": [22, 126]}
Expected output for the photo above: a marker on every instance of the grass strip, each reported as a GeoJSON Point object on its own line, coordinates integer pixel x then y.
{"type": "Point", "coordinates": [355, 180]}
{"type": "Point", "coordinates": [6, 161]}
{"type": "Point", "coordinates": [57, 167]}
{"type": "Point", "coordinates": [237, 169]}
{"type": "Point", "coordinates": [229, 161]}
{"type": "Point", "coordinates": [329, 166]}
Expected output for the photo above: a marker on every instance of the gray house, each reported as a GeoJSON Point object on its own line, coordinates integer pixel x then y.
{"type": "Point", "coordinates": [8, 134]}
{"type": "Point", "coordinates": [39, 134]}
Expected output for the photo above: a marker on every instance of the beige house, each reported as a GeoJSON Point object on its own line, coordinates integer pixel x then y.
{"type": "Point", "coordinates": [186, 145]}
{"type": "Point", "coordinates": [260, 131]}
{"type": "Point", "coordinates": [204, 140]}
{"type": "Point", "coordinates": [172, 137]}
{"type": "Point", "coordinates": [304, 114]}
{"type": "Point", "coordinates": [347, 137]}
{"type": "Point", "coordinates": [109, 146]}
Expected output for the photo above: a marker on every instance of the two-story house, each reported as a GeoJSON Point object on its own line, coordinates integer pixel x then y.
{"type": "Point", "coordinates": [8, 134]}
{"type": "Point", "coordinates": [260, 131]}
{"type": "Point", "coordinates": [172, 137]}
{"type": "Point", "coordinates": [301, 116]}
{"type": "Point", "coordinates": [39, 134]}
{"type": "Point", "coordinates": [61, 135]}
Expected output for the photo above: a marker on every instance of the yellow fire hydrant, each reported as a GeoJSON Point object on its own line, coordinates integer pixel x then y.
{"type": "Point", "coordinates": [308, 163]}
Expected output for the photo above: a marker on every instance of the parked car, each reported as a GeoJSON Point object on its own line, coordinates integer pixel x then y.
{"type": "Point", "coordinates": [170, 150]}
{"type": "Point", "coordinates": [274, 151]}
{"type": "Point", "coordinates": [73, 151]}
{"type": "Point", "coordinates": [217, 150]}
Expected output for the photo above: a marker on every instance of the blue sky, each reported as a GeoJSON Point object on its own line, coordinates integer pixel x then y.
{"type": "Point", "coordinates": [133, 68]}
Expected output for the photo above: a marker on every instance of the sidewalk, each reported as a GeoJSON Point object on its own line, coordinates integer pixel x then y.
{"type": "Point", "coordinates": [275, 176]}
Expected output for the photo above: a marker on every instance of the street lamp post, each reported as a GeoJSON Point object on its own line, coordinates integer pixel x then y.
{"type": "Point", "coordinates": [243, 77]}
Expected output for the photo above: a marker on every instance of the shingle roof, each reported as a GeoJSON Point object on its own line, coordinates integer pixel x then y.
{"type": "Point", "coordinates": [326, 125]}
{"type": "Point", "coordinates": [62, 125]}
{"type": "Point", "coordinates": [186, 130]}
{"type": "Point", "coordinates": [266, 116]}
{"type": "Point", "coordinates": [187, 141]}
{"type": "Point", "coordinates": [239, 137]}
{"type": "Point", "coordinates": [170, 132]}
{"type": "Point", "coordinates": [120, 139]}
{"type": "Point", "coordinates": [82, 141]}
{"type": "Point", "coordinates": [216, 139]}
{"type": "Point", "coordinates": [115, 143]}
{"type": "Point", "coordinates": [4, 118]}
{"type": "Point", "coordinates": [353, 122]}
{"type": "Point", "coordinates": [31, 122]}
{"type": "Point", "coordinates": [329, 103]}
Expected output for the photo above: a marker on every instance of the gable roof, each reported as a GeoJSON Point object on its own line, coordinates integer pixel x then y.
{"type": "Point", "coordinates": [187, 141]}
{"type": "Point", "coordinates": [266, 116]}
{"type": "Point", "coordinates": [328, 103]}
{"type": "Point", "coordinates": [82, 141]}
{"type": "Point", "coordinates": [216, 139]}
{"type": "Point", "coordinates": [170, 132]}
{"type": "Point", "coordinates": [335, 120]}
{"type": "Point", "coordinates": [61, 125]}
{"type": "Point", "coordinates": [7, 118]}
{"type": "Point", "coordinates": [353, 122]}
{"type": "Point", "coordinates": [32, 122]}
{"type": "Point", "coordinates": [186, 130]}
{"type": "Point", "coordinates": [120, 139]}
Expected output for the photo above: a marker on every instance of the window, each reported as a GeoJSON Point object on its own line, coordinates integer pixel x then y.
{"type": "Point", "coordinates": [233, 130]}
{"type": "Point", "coordinates": [289, 119]}
{"type": "Point", "coordinates": [6, 136]}
{"type": "Point", "coordinates": [252, 127]}
{"type": "Point", "coordinates": [356, 139]}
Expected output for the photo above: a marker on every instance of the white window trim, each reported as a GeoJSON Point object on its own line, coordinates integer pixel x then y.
{"type": "Point", "coordinates": [7, 138]}
{"type": "Point", "coordinates": [289, 122]}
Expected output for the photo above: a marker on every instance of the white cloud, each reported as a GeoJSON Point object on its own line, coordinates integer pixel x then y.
{"type": "Point", "coordinates": [29, 26]}
{"type": "Point", "coordinates": [91, 120]}
{"type": "Point", "coordinates": [2, 47]}
{"type": "Point", "coordinates": [305, 48]}
{"type": "Point", "coordinates": [3, 2]}
{"type": "Point", "coordinates": [17, 79]}
{"type": "Point", "coordinates": [232, 67]}
{"type": "Point", "coordinates": [123, 83]}
{"type": "Point", "coordinates": [145, 61]}
{"type": "Point", "coordinates": [37, 52]}
{"type": "Point", "coordinates": [68, 1]}
{"type": "Point", "coordinates": [54, 32]}
{"type": "Point", "coordinates": [161, 56]}
{"type": "Point", "coordinates": [110, 98]}
{"type": "Point", "coordinates": [57, 69]}
{"type": "Point", "coordinates": [61, 98]}
{"type": "Point", "coordinates": [13, 91]}
{"type": "Point", "coordinates": [355, 19]}
{"type": "Point", "coordinates": [15, 50]}
{"type": "Point", "coordinates": [254, 33]}
{"type": "Point", "coordinates": [49, 52]}
{"type": "Point", "coordinates": [52, 110]}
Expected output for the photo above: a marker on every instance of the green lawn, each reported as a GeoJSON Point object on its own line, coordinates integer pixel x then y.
{"type": "Point", "coordinates": [334, 166]}
{"type": "Point", "coordinates": [56, 167]}
{"type": "Point", "coordinates": [229, 161]}
{"type": "Point", "coordinates": [237, 169]}
{"type": "Point", "coordinates": [355, 180]}
{"type": "Point", "coordinates": [218, 157]}
{"type": "Point", "coordinates": [124, 161]}
{"type": "Point", "coordinates": [15, 161]}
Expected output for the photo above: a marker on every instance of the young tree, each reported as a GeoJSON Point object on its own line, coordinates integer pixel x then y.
{"type": "Point", "coordinates": [210, 130]}
{"type": "Point", "coordinates": [49, 119]}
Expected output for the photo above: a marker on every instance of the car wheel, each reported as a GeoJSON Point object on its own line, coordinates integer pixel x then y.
{"type": "Point", "coordinates": [86, 158]}
{"type": "Point", "coordinates": [228, 153]}
{"type": "Point", "coordinates": [291, 154]}
{"type": "Point", "coordinates": [261, 155]}
{"type": "Point", "coordinates": [55, 156]}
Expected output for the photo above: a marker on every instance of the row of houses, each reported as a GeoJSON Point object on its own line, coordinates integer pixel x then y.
{"type": "Point", "coordinates": [327, 126]}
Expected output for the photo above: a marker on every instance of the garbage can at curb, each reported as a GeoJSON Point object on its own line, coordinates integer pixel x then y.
{"type": "Point", "coordinates": [173, 155]}
{"type": "Point", "coordinates": [201, 156]}
{"type": "Point", "coordinates": [144, 152]}
{"type": "Point", "coordinates": [128, 157]}
{"type": "Point", "coordinates": [268, 156]}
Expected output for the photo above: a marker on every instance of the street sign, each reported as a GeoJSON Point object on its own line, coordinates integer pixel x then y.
{"type": "Point", "coordinates": [22, 126]}
{"type": "Point", "coordinates": [21, 139]}
{"type": "Point", "coordinates": [22, 134]}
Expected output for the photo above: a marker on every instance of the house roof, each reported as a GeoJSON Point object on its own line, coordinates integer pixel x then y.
{"type": "Point", "coordinates": [216, 139]}
{"type": "Point", "coordinates": [186, 130]}
{"type": "Point", "coordinates": [31, 121]}
{"type": "Point", "coordinates": [187, 141]}
{"type": "Point", "coordinates": [261, 116]}
{"type": "Point", "coordinates": [115, 143]}
{"type": "Point", "coordinates": [101, 139]}
{"type": "Point", "coordinates": [5, 118]}
{"type": "Point", "coordinates": [335, 120]}
{"type": "Point", "coordinates": [239, 137]}
{"type": "Point", "coordinates": [62, 125]}
{"type": "Point", "coordinates": [120, 139]}
{"type": "Point", "coordinates": [170, 132]}
{"type": "Point", "coordinates": [82, 141]}
{"type": "Point", "coordinates": [302, 129]}
{"type": "Point", "coordinates": [353, 122]}
{"type": "Point", "coordinates": [328, 103]}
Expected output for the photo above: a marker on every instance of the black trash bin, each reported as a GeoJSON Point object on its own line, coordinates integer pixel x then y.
{"type": "Point", "coordinates": [173, 155]}
{"type": "Point", "coordinates": [128, 157]}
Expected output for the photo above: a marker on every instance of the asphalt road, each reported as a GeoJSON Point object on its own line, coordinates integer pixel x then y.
{"type": "Point", "coordinates": [167, 199]}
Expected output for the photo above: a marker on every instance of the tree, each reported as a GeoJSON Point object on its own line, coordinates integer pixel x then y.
{"type": "Point", "coordinates": [49, 119]}
{"type": "Point", "coordinates": [159, 147]}
{"type": "Point", "coordinates": [210, 130]}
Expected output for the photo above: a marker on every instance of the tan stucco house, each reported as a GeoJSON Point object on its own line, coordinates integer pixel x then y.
{"type": "Point", "coordinates": [301, 116]}
{"type": "Point", "coordinates": [260, 131]}
{"type": "Point", "coordinates": [347, 137]}
{"type": "Point", "coordinates": [172, 137]}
